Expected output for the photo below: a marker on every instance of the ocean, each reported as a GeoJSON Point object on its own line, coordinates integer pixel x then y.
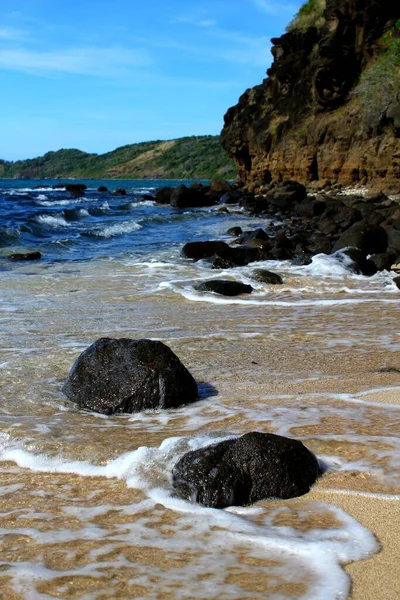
{"type": "Point", "coordinates": [87, 508]}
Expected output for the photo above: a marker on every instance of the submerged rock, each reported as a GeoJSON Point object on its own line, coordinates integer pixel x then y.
{"type": "Point", "coordinates": [265, 276]}
{"type": "Point", "coordinates": [17, 256]}
{"type": "Point", "coordinates": [240, 471]}
{"type": "Point", "coordinates": [224, 287]}
{"type": "Point", "coordinates": [125, 375]}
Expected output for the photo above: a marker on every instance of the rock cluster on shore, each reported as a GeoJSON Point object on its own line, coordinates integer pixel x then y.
{"type": "Point", "coordinates": [299, 225]}
{"type": "Point", "coordinates": [195, 195]}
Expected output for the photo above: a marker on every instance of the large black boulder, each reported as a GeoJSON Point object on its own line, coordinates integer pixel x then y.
{"type": "Point", "coordinates": [125, 375]}
{"type": "Point", "coordinates": [240, 471]}
{"type": "Point", "coordinates": [163, 195]}
{"type": "Point", "coordinates": [76, 188]}
{"type": "Point", "coordinates": [286, 194]}
{"type": "Point", "coordinates": [370, 239]}
{"type": "Point", "coordinates": [192, 197]}
{"type": "Point", "coordinates": [238, 257]}
{"type": "Point", "coordinates": [198, 250]}
{"type": "Point", "coordinates": [225, 287]}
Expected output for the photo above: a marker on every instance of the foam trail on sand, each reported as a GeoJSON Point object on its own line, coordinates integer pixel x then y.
{"type": "Point", "coordinates": [320, 551]}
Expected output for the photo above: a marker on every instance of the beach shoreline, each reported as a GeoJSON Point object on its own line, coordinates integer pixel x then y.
{"type": "Point", "coordinates": [86, 502]}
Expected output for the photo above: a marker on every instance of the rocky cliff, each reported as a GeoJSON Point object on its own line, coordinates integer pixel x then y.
{"type": "Point", "coordinates": [311, 118]}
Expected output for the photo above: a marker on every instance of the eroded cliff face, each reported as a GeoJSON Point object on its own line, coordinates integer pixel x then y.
{"type": "Point", "coordinates": [304, 121]}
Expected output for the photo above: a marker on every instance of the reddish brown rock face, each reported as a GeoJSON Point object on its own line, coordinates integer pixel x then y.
{"type": "Point", "coordinates": [304, 121]}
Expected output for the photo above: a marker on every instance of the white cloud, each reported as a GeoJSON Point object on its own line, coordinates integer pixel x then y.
{"type": "Point", "coordinates": [196, 19]}
{"type": "Point", "coordinates": [83, 61]}
{"type": "Point", "coordinates": [13, 34]}
{"type": "Point", "coordinates": [207, 23]}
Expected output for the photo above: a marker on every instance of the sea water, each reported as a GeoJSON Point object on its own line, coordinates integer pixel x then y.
{"type": "Point", "coordinates": [87, 508]}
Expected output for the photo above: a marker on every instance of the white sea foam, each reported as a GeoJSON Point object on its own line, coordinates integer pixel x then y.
{"type": "Point", "coordinates": [320, 551]}
{"type": "Point", "coordinates": [42, 202]}
{"type": "Point", "coordinates": [117, 229]}
{"type": "Point", "coordinates": [52, 221]}
{"type": "Point", "coordinates": [188, 292]}
{"type": "Point", "coordinates": [36, 189]}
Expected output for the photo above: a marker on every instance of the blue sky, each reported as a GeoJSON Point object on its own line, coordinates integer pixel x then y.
{"type": "Point", "coordinates": [97, 74]}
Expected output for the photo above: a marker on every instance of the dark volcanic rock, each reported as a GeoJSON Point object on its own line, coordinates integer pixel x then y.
{"type": "Point", "coordinates": [237, 257]}
{"type": "Point", "coordinates": [286, 194]}
{"type": "Point", "coordinates": [192, 197]}
{"type": "Point", "coordinates": [257, 234]}
{"type": "Point", "coordinates": [235, 231]}
{"type": "Point", "coordinates": [360, 263]}
{"type": "Point", "coordinates": [320, 243]}
{"type": "Point", "coordinates": [25, 256]}
{"type": "Point", "coordinates": [198, 250]}
{"type": "Point", "coordinates": [163, 195]}
{"type": "Point", "coordinates": [396, 280]}
{"type": "Point", "coordinates": [102, 188]}
{"type": "Point", "coordinates": [247, 469]}
{"type": "Point", "coordinates": [393, 235]}
{"type": "Point", "coordinates": [384, 260]}
{"type": "Point", "coordinates": [73, 214]}
{"type": "Point", "coordinates": [370, 239]}
{"type": "Point", "coordinates": [125, 375]}
{"type": "Point", "coordinates": [221, 186]}
{"type": "Point", "coordinates": [76, 188]}
{"type": "Point", "coordinates": [120, 192]}
{"type": "Point", "coordinates": [225, 287]}
{"type": "Point", "coordinates": [266, 277]}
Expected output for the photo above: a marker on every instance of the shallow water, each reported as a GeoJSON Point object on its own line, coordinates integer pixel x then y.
{"type": "Point", "coordinates": [86, 504]}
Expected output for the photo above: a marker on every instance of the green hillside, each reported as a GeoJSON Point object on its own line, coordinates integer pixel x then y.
{"type": "Point", "coordinates": [195, 157]}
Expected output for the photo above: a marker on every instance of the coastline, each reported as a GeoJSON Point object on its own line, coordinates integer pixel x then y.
{"type": "Point", "coordinates": [310, 372]}
{"type": "Point", "coordinates": [372, 578]}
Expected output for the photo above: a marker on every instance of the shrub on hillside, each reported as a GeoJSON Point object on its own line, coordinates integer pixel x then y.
{"type": "Point", "coordinates": [311, 14]}
{"type": "Point", "coordinates": [380, 82]}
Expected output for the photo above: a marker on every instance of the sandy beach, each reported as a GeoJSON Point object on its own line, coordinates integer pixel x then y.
{"type": "Point", "coordinates": [85, 516]}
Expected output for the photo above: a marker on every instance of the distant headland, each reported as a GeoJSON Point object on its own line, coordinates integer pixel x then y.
{"type": "Point", "coordinates": [194, 157]}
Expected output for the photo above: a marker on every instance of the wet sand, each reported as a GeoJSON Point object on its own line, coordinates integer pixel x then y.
{"type": "Point", "coordinates": [373, 578]}
{"type": "Point", "coordinates": [324, 374]}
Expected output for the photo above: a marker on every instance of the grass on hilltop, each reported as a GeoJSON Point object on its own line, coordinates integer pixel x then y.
{"type": "Point", "coordinates": [194, 157]}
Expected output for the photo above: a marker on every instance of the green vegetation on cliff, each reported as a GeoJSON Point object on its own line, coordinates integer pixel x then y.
{"type": "Point", "coordinates": [311, 14]}
{"type": "Point", "coordinates": [380, 81]}
{"type": "Point", "coordinates": [195, 157]}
